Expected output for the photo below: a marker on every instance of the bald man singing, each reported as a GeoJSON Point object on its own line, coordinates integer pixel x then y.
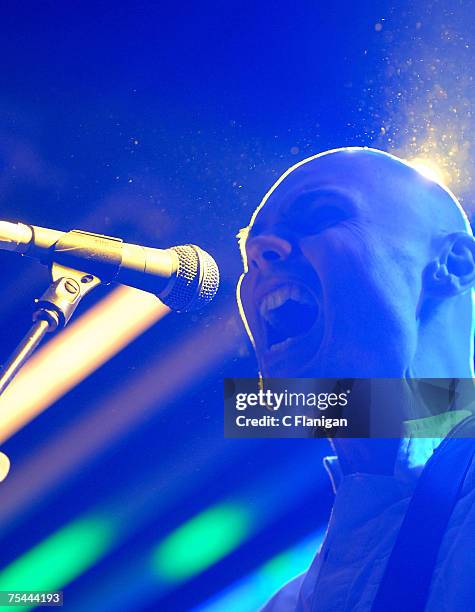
{"type": "Point", "coordinates": [358, 266]}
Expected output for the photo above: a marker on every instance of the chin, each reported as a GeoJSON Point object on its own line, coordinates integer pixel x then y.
{"type": "Point", "coordinates": [325, 364]}
{"type": "Point", "coordinates": [292, 366]}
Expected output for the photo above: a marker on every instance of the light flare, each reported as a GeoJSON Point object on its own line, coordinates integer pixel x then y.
{"type": "Point", "coordinates": [430, 170]}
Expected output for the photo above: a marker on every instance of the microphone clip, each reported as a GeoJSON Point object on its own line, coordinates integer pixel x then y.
{"type": "Point", "coordinates": [58, 303]}
{"type": "Point", "coordinates": [60, 300]}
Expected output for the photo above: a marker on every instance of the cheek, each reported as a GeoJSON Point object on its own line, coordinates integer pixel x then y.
{"type": "Point", "coordinates": [363, 287]}
{"type": "Point", "coordinates": [341, 263]}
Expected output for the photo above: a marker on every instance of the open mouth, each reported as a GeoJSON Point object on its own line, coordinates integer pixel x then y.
{"type": "Point", "coordinates": [288, 312]}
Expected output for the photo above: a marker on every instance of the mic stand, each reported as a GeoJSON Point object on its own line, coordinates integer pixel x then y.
{"type": "Point", "coordinates": [53, 311]}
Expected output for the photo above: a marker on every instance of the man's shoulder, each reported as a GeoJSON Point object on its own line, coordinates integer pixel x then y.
{"type": "Point", "coordinates": [464, 429]}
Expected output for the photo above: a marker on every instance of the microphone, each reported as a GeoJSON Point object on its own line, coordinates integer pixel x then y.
{"type": "Point", "coordinates": [183, 277]}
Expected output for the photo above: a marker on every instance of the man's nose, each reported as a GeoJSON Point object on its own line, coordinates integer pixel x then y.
{"type": "Point", "coordinates": [267, 250]}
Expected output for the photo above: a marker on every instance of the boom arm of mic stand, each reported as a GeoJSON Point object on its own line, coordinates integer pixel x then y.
{"type": "Point", "coordinates": [53, 311]}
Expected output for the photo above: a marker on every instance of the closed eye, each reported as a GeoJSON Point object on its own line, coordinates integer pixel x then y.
{"type": "Point", "coordinates": [315, 219]}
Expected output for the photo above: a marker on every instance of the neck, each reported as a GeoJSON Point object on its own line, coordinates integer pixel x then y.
{"type": "Point", "coordinates": [445, 343]}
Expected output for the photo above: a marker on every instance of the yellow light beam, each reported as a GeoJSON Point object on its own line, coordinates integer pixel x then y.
{"type": "Point", "coordinates": [115, 416]}
{"type": "Point", "coordinates": [76, 352]}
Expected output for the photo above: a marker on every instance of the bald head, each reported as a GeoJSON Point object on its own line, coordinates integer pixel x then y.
{"type": "Point", "coordinates": [351, 226]}
{"type": "Point", "coordinates": [390, 186]}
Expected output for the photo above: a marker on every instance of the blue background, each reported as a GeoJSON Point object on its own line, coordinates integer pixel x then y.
{"type": "Point", "coordinates": [164, 124]}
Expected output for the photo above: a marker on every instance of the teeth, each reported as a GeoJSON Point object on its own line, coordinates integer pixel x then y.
{"type": "Point", "coordinates": [277, 297]}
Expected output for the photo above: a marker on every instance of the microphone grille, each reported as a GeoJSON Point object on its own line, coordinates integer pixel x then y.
{"type": "Point", "coordinates": [196, 282]}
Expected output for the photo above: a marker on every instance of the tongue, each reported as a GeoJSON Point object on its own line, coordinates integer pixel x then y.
{"type": "Point", "coordinates": [290, 320]}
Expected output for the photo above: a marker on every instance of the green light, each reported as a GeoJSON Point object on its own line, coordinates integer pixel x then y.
{"type": "Point", "coordinates": [202, 541]}
{"type": "Point", "coordinates": [56, 561]}
{"type": "Point", "coordinates": [277, 569]}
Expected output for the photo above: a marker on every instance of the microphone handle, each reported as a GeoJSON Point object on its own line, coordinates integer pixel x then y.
{"type": "Point", "coordinates": [149, 269]}
{"type": "Point", "coordinates": [27, 239]}
{"type": "Point", "coordinates": [106, 257]}
{"type": "Point", "coordinates": [112, 260]}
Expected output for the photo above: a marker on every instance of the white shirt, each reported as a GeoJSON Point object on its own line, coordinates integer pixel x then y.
{"type": "Point", "coordinates": [364, 523]}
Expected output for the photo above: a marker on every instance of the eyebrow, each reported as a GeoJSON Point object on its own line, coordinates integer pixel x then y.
{"type": "Point", "coordinates": [249, 231]}
{"type": "Point", "coordinates": [338, 196]}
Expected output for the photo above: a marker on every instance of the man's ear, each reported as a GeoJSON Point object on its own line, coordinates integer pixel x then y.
{"type": "Point", "coordinates": [453, 273]}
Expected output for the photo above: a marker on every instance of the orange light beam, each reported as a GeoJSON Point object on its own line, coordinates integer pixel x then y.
{"type": "Point", "coordinates": [76, 352]}
{"type": "Point", "coordinates": [115, 416]}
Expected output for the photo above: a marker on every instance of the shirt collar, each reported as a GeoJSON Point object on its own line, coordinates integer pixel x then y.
{"type": "Point", "coordinates": [415, 449]}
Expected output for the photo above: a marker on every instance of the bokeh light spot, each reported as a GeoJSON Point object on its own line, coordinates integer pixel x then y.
{"type": "Point", "coordinates": [201, 542]}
